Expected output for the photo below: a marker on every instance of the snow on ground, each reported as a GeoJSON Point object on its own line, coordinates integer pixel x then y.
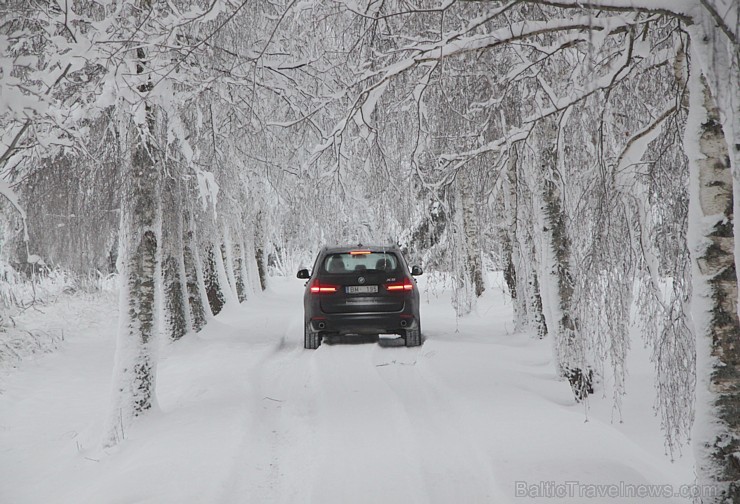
{"type": "Point", "coordinates": [246, 415]}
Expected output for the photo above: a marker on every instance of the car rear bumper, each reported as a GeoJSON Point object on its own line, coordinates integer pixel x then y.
{"type": "Point", "coordinates": [363, 323]}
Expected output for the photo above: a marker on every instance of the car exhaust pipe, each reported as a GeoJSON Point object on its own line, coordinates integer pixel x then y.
{"type": "Point", "coordinates": [403, 323]}
{"type": "Point", "coordinates": [321, 325]}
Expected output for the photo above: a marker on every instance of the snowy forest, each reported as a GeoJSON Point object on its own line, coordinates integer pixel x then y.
{"type": "Point", "coordinates": [193, 151]}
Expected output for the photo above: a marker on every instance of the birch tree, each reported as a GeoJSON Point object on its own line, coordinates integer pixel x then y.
{"type": "Point", "coordinates": [715, 284]}
{"type": "Point", "coordinates": [140, 237]}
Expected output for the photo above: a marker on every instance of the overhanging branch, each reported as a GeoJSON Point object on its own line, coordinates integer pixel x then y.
{"type": "Point", "coordinates": [616, 6]}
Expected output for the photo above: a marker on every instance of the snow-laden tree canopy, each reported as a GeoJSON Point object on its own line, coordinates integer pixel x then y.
{"type": "Point", "coordinates": [552, 139]}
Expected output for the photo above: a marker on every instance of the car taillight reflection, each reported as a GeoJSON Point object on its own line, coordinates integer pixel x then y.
{"type": "Point", "coordinates": [319, 288]}
{"type": "Point", "coordinates": [406, 285]}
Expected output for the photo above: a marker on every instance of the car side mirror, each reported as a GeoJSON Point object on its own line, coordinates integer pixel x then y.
{"type": "Point", "coordinates": [416, 270]}
{"type": "Point", "coordinates": [303, 274]}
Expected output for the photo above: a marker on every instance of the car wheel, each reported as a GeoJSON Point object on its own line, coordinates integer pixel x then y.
{"type": "Point", "coordinates": [311, 339]}
{"type": "Point", "coordinates": [413, 337]}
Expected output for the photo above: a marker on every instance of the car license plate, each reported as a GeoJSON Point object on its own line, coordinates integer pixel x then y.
{"type": "Point", "coordinates": [362, 289]}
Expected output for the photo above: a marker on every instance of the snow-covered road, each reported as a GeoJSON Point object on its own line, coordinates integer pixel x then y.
{"type": "Point", "coordinates": [246, 415]}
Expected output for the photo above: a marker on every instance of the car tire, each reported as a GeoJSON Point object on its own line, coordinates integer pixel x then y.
{"type": "Point", "coordinates": [311, 339]}
{"type": "Point", "coordinates": [413, 337]}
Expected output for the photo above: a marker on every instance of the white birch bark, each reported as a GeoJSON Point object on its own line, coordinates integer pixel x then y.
{"type": "Point", "coordinates": [228, 254]}
{"type": "Point", "coordinates": [134, 371]}
{"type": "Point", "coordinates": [471, 230]}
{"type": "Point", "coordinates": [714, 286]}
{"type": "Point", "coordinates": [244, 267]}
{"type": "Point", "coordinates": [222, 276]}
{"type": "Point", "coordinates": [260, 256]}
{"type": "Point", "coordinates": [558, 283]}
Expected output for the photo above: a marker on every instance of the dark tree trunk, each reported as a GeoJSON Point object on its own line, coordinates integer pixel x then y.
{"type": "Point", "coordinates": [192, 280]}
{"type": "Point", "coordinates": [214, 290]}
{"type": "Point", "coordinates": [259, 250]}
{"type": "Point", "coordinates": [177, 317]}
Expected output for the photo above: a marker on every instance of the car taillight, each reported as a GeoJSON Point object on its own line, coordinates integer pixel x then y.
{"type": "Point", "coordinates": [406, 285]}
{"type": "Point", "coordinates": [319, 288]}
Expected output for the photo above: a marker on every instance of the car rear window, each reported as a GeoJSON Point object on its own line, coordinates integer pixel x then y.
{"type": "Point", "coordinates": [348, 262]}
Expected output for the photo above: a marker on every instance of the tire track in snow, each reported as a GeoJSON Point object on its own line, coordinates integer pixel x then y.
{"type": "Point", "coordinates": [275, 445]}
{"type": "Point", "coordinates": [367, 453]}
{"type": "Point", "coordinates": [453, 466]}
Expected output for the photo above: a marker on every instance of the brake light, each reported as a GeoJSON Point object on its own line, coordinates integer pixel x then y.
{"type": "Point", "coordinates": [319, 288]}
{"type": "Point", "coordinates": [360, 252]}
{"type": "Point", "coordinates": [406, 285]}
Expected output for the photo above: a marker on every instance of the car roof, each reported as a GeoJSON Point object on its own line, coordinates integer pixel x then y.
{"type": "Point", "coordinates": [348, 248]}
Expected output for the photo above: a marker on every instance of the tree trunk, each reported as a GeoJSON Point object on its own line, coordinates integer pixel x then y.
{"type": "Point", "coordinates": [248, 269]}
{"type": "Point", "coordinates": [232, 272]}
{"type": "Point", "coordinates": [134, 372]}
{"type": "Point", "coordinates": [227, 289]}
{"type": "Point", "coordinates": [715, 293]}
{"type": "Point", "coordinates": [193, 278]}
{"type": "Point", "coordinates": [177, 315]}
{"type": "Point", "coordinates": [135, 364]}
{"type": "Point", "coordinates": [509, 245]}
{"type": "Point", "coordinates": [520, 270]}
{"type": "Point", "coordinates": [536, 320]}
{"type": "Point", "coordinates": [569, 349]}
{"type": "Point", "coordinates": [463, 294]}
{"type": "Point", "coordinates": [471, 232]}
{"type": "Point", "coordinates": [176, 321]}
{"type": "Point", "coordinates": [238, 266]}
{"type": "Point", "coordinates": [216, 299]}
{"type": "Point", "coordinates": [259, 250]}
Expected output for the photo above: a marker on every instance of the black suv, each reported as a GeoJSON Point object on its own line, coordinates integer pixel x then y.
{"type": "Point", "coordinates": [361, 291]}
